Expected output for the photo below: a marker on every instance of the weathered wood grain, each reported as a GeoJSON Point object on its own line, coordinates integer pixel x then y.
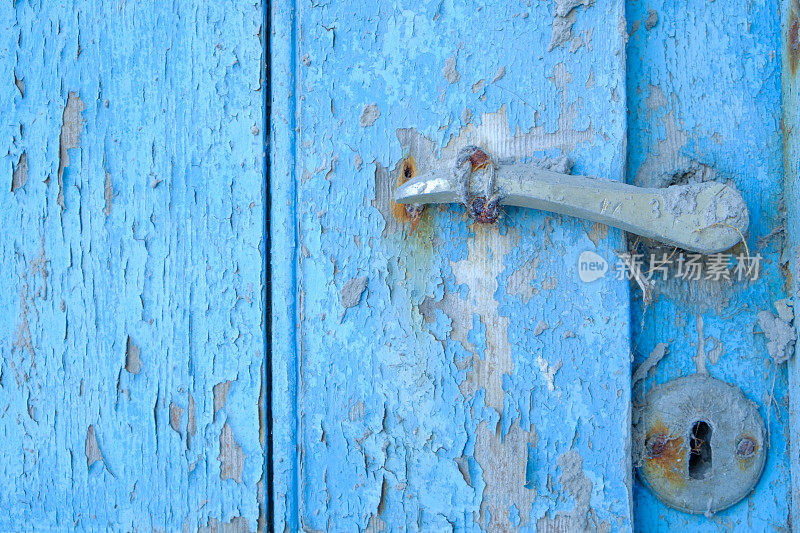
{"type": "Point", "coordinates": [131, 254]}
{"type": "Point", "coordinates": [704, 86]}
{"type": "Point", "coordinates": [473, 381]}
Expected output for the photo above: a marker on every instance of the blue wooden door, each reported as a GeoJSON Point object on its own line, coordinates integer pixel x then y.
{"type": "Point", "coordinates": [132, 342]}
{"type": "Point", "coordinates": [198, 337]}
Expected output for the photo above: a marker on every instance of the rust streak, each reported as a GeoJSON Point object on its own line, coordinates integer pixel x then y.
{"type": "Point", "coordinates": [665, 455]}
{"type": "Point", "coordinates": [407, 213]}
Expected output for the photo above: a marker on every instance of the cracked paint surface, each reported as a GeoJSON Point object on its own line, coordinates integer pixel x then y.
{"type": "Point", "coordinates": [132, 260]}
{"type": "Point", "coordinates": [473, 382]}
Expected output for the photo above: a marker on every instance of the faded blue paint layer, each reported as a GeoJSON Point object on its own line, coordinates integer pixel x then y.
{"type": "Point", "coordinates": [132, 262]}
{"type": "Point", "coordinates": [704, 85]}
{"type": "Point", "coordinates": [455, 376]}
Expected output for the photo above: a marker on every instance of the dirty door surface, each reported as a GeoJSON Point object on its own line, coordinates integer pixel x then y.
{"type": "Point", "coordinates": [704, 87]}
{"type": "Point", "coordinates": [451, 374]}
{"type": "Point", "coordinates": [131, 327]}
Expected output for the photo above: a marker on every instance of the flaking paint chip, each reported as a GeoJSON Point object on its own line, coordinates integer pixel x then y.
{"type": "Point", "coordinates": [236, 523]}
{"type": "Point", "coordinates": [20, 83]}
{"type": "Point", "coordinates": [564, 20]}
{"type": "Point", "coordinates": [501, 72]}
{"type": "Point", "coordinates": [651, 20]}
{"type": "Point", "coordinates": [781, 337]}
{"type": "Point", "coordinates": [351, 292]}
{"type": "Point", "coordinates": [369, 115]}
{"type": "Point", "coordinates": [191, 422]}
{"type": "Point", "coordinates": [450, 72]}
{"type": "Point", "coordinates": [70, 138]}
{"type": "Point", "coordinates": [19, 176]}
{"type": "Point", "coordinates": [220, 391]}
{"type": "Point", "coordinates": [175, 416]}
{"type": "Point", "coordinates": [133, 362]}
{"type": "Point", "coordinates": [541, 327]}
{"type": "Point", "coordinates": [108, 194]}
{"type": "Point", "coordinates": [92, 450]}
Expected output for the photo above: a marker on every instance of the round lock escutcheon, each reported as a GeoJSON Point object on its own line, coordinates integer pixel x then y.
{"type": "Point", "coordinates": [700, 444]}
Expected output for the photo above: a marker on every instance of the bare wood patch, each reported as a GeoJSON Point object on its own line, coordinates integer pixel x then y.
{"type": "Point", "coordinates": [92, 450]}
{"type": "Point", "coordinates": [231, 457]}
{"type": "Point", "coordinates": [71, 129]}
{"type": "Point", "coordinates": [133, 361]}
{"type": "Point", "coordinates": [237, 524]}
{"type": "Point", "coordinates": [175, 416]}
{"type": "Point", "coordinates": [19, 176]}
{"type": "Point", "coordinates": [220, 390]}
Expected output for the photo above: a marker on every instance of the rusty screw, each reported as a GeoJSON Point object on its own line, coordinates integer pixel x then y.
{"type": "Point", "coordinates": [655, 444]}
{"type": "Point", "coordinates": [746, 447]}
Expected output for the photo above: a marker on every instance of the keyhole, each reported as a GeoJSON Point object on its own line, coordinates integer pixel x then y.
{"type": "Point", "coordinates": [700, 452]}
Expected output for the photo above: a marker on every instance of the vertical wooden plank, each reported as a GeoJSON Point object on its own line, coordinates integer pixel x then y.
{"type": "Point", "coordinates": [283, 256]}
{"type": "Point", "coordinates": [455, 376]}
{"type": "Point", "coordinates": [790, 56]}
{"type": "Point", "coordinates": [132, 333]}
{"type": "Point", "coordinates": [704, 86]}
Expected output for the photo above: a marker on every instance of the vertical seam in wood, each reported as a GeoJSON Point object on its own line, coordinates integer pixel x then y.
{"type": "Point", "coordinates": [283, 278]}
{"type": "Point", "coordinates": [267, 269]}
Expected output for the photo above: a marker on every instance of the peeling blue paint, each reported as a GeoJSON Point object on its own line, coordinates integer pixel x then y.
{"type": "Point", "coordinates": [150, 251]}
{"type": "Point", "coordinates": [475, 383]}
{"type": "Point", "coordinates": [424, 405]}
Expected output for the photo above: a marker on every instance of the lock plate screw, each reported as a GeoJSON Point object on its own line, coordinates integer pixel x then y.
{"type": "Point", "coordinates": [746, 447]}
{"type": "Point", "coordinates": [656, 444]}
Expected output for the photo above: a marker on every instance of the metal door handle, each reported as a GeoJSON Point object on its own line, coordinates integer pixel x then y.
{"type": "Point", "coordinates": [705, 217]}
